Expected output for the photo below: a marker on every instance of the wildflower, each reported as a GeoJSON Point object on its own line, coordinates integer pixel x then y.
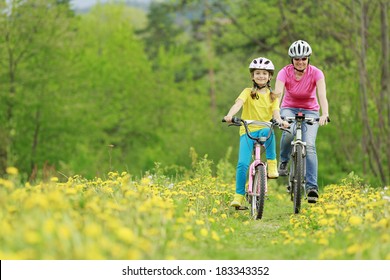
{"type": "Point", "coordinates": [215, 236]}
{"type": "Point", "coordinates": [126, 235]}
{"type": "Point", "coordinates": [353, 249]}
{"type": "Point", "coordinates": [190, 236]}
{"type": "Point", "coordinates": [224, 216]}
{"type": "Point", "coordinates": [54, 179]}
{"type": "Point", "coordinates": [214, 210]}
{"type": "Point", "coordinates": [355, 220]}
{"type": "Point", "coordinates": [12, 170]}
{"type": "Point", "coordinates": [204, 232]}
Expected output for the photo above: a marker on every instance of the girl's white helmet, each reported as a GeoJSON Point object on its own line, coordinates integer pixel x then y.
{"type": "Point", "coordinates": [262, 63]}
{"type": "Point", "coordinates": [299, 49]}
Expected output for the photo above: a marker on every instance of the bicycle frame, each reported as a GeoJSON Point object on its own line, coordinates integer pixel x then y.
{"type": "Point", "coordinates": [255, 163]}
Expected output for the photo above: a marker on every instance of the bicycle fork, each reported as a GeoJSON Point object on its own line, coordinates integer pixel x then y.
{"type": "Point", "coordinates": [252, 170]}
{"type": "Point", "coordinates": [292, 179]}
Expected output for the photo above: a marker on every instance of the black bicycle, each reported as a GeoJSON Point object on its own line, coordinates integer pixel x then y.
{"type": "Point", "coordinates": [297, 174]}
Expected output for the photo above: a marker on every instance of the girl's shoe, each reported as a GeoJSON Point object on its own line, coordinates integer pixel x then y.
{"type": "Point", "coordinates": [238, 200]}
{"type": "Point", "coordinates": [272, 169]}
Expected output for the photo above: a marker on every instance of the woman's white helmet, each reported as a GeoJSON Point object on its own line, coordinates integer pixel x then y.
{"type": "Point", "coordinates": [262, 63]}
{"type": "Point", "coordinates": [299, 49]}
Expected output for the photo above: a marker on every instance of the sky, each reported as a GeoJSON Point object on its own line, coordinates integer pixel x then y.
{"type": "Point", "coordinates": [81, 4]}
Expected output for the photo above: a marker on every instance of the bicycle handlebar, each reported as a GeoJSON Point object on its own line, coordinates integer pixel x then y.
{"type": "Point", "coordinates": [236, 121]}
{"type": "Point", "coordinates": [302, 118]}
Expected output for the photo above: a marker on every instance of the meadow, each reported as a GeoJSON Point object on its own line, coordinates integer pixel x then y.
{"type": "Point", "coordinates": [158, 218]}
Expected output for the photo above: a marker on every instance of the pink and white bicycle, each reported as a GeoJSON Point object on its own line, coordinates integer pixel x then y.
{"type": "Point", "coordinates": [257, 177]}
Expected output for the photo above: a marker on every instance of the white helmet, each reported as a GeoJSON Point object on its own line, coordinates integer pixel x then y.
{"type": "Point", "coordinates": [299, 49]}
{"type": "Point", "coordinates": [262, 63]}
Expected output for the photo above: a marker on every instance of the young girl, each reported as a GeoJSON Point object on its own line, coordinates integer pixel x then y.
{"type": "Point", "coordinates": [258, 103]}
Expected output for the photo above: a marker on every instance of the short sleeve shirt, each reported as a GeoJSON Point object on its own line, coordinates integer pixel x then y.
{"type": "Point", "coordinates": [300, 93]}
{"type": "Point", "coordinates": [257, 109]}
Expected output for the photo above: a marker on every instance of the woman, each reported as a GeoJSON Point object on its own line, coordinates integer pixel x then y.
{"type": "Point", "coordinates": [299, 84]}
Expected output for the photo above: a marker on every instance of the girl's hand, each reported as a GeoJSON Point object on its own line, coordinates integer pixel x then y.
{"type": "Point", "coordinates": [323, 120]}
{"type": "Point", "coordinates": [228, 119]}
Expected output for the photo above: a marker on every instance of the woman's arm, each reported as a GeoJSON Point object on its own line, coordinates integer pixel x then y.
{"type": "Point", "coordinates": [279, 89]}
{"type": "Point", "coordinates": [321, 89]}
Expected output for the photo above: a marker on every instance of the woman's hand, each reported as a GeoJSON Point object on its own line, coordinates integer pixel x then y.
{"type": "Point", "coordinates": [323, 120]}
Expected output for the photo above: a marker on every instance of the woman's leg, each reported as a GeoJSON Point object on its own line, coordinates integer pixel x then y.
{"type": "Point", "coordinates": [309, 136]}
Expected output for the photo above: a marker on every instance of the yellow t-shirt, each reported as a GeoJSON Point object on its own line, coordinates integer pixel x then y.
{"type": "Point", "coordinates": [257, 109]}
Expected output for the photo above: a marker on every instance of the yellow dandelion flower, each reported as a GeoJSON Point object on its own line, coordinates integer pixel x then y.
{"type": "Point", "coordinates": [189, 236]}
{"type": "Point", "coordinates": [215, 236]}
{"type": "Point", "coordinates": [323, 241]}
{"type": "Point", "coordinates": [204, 232]}
{"type": "Point", "coordinates": [32, 237]}
{"type": "Point", "coordinates": [126, 235]}
{"type": "Point", "coordinates": [218, 202]}
{"type": "Point", "coordinates": [214, 210]}
{"type": "Point", "coordinates": [92, 230]}
{"type": "Point", "coordinates": [382, 223]}
{"type": "Point", "coordinates": [353, 249]}
{"type": "Point", "coordinates": [322, 222]}
{"type": "Point", "coordinates": [224, 216]}
{"type": "Point", "coordinates": [355, 220]}
{"type": "Point", "coordinates": [54, 179]}
{"type": "Point", "coordinates": [199, 222]}
{"type": "Point", "coordinates": [12, 170]}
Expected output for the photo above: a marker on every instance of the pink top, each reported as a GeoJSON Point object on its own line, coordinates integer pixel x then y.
{"type": "Point", "coordinates": [300, 93]}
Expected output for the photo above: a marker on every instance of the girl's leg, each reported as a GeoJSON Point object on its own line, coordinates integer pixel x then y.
{"type": "Point", "coordinates": [270, 145]}
{"type": "Point", "coordinates": [244, 157]}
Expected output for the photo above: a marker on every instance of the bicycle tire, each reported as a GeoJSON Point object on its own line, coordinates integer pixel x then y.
{"type": "Point", "coordinates": [259, 188]}
{"type": "Point", "coordinates": [298, 178]}
{"type": "Point", "coordinates": [263, 188]}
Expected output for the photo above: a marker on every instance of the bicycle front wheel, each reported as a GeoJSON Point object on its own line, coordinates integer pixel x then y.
{"type": "Point", "coordinates": [298, 178]}
{"type": "Point", "coordinates": [259, 189]}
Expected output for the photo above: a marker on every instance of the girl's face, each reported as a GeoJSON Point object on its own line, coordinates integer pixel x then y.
{"type": "Point", "coordinates": [300, 63]}
{"type": "Point", "coordinates": [261, 77]}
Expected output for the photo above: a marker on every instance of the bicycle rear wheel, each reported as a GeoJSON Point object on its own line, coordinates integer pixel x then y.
{"type": "Point", "coordinates": [298, 178]}
{"type": "Point", "coordinates": [259, 189]}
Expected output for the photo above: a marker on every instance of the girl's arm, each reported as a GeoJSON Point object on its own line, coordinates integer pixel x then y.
{"type": "Point", "coordinates": [233, 110]}
{"type": "Point", "coordinates": [321, 89]}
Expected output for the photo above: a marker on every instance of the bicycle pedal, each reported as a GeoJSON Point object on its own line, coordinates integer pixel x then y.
{"type": "Point", "coordinates": [241, 208]}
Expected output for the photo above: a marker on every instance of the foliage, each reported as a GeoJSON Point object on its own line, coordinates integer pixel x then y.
{"type": "Point", "coordinates": [116, 88]}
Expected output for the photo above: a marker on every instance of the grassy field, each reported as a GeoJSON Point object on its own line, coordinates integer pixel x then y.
{"type": "Point", "coordinates": [155, 218]}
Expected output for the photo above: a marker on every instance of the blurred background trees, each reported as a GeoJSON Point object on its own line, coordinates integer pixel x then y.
{"type": "Point", "coordinates": [120, 88]}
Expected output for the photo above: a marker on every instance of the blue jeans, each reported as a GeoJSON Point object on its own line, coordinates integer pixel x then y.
{"type": "Point", "coordinates": [245, 154]}
{"type": "Point", "coordinates": [309, 135]}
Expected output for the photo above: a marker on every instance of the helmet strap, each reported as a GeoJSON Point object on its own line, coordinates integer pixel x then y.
{"type": "Point", "coordinates": [292, 62]}
{"type": "Point", "coordinates": [255, 85]}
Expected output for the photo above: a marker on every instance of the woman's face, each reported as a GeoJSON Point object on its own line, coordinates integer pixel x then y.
{"type": "Point", "coordinates": [261, 77]}
{"type": "Point", "coordinates": [300, 63]}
